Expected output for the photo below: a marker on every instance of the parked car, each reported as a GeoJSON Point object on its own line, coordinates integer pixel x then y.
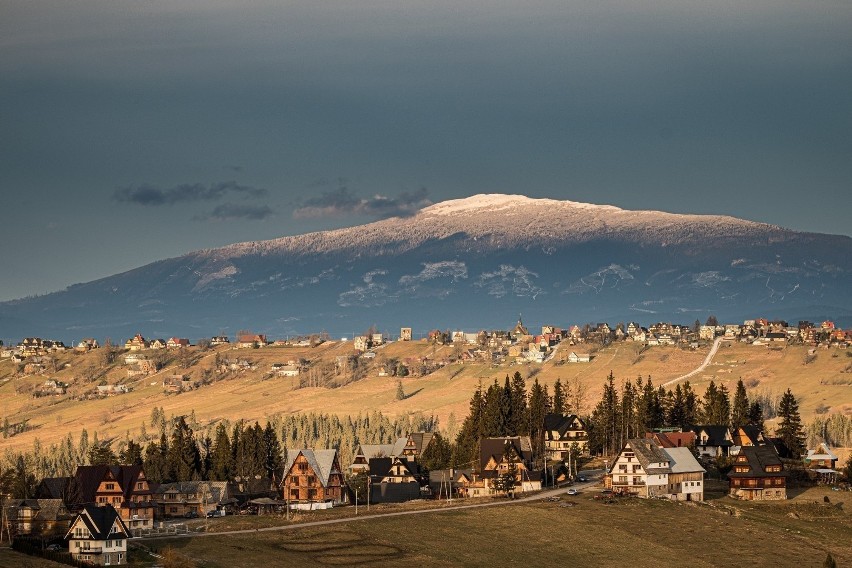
{"type": "Point", "coordinates": [582, 479]}
{"type": "Point", "coordinates": [572, 492]}
{"type": "Point", "coordinates": [215, 513]}
{"type": "Point", "coordinates": [191, 515]}
{"type": "Point", "coordinates": [54, 548]}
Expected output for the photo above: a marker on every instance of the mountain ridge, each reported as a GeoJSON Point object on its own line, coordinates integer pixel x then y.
{"type": "Point", "coordinates": [464, 262]}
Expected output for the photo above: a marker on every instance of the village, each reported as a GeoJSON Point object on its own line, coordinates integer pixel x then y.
{"type": "Point", "coordinates": [91, 515]}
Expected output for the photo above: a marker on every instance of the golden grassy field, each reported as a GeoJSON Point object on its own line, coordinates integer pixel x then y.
{"type": "Point", "coordinates": [253, 395]}
{"type": "Point", "coordinates": [640, 533]}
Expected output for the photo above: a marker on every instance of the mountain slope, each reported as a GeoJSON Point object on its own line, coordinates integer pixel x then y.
{"type": "Point", "coordinates": [469, 263]}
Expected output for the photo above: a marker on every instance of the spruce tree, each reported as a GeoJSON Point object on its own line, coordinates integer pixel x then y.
{"type": "Point", "coordinates": [755, 415]}
{"type": "Point", "coordinates": [790, 429]}
{"type": "Point", "coordinates": [400, 392]}
{"type": "Point", "coordinates": [273, 463]}
{"type": "Point", "coordinates": [493, 415]}
{"type": "Point", "coordinates": [437, 454]}
{"type": "Point", "coordinates": [558, 397]}
{"type": "Point", "coordinates": [740, 408]}
{"type": "Point", "coordinates": [221, 461]}
{"type": "Point", "coordinates": [539, 404]}
{"type": "Point", "coordinates": [606, 421]}
{"type": "Point", "coordinates": [466, 450]}
{"type": "Point", "coordinates": [520, 410]}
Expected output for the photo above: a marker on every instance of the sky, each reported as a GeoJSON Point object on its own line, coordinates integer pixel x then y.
{"type": "Point", "coordinates": [132, 131]}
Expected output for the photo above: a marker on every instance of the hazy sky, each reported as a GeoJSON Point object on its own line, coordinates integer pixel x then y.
{"type": "Point", "coordinates": [132, 131]}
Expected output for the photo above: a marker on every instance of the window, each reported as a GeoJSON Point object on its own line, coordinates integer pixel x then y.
{"type": "Point", "coordinates": [140, 485]}
{"type": "Point", "coordinates": [311, 480]}
{"type": "Point", "coordinates": [110, 486]}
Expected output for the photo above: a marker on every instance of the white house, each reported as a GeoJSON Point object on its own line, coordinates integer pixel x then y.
{"type": "Point", "coordinates": [647, 470]}
{"type": "Point", "coordinates": [579, 357]}
{"type": "Point", "coordinates": [98, 536]}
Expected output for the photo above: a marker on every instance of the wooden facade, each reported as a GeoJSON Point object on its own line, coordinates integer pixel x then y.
{"type": "Point", "coordinates": [758, 475]}
{"type": "Point", "coordinates": [313, 476]}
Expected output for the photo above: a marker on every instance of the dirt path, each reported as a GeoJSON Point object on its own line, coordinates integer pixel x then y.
{"type": "Point", "coordinates": [701, 367]}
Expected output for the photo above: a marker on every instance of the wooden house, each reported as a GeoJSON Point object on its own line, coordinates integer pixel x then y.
{"type": "Point", "coordinates": [183, 498]}
{"type": "Point", "coordinates": [124, 487]}
{"type": "Point", "coordinates": [42, 517]}
{"type": "Point", "coordinates": [405, 334]}
{"type": "Point", "coordinates": [499, 456]}
{"type": "Point", "coordinates": [177, 343]}
{"type": "Point", "coordinates": [758, 474]}
{"type": "Point", "coordinates": [575, 357]}
{"type": "Point", "coordinates": [312, 476]}
{"type": "Point", "coordinates": [136, 343]}
{"type": "Point", "coordinates": [177, 384]}
{"type": "Point", "coordinates": [394, 480]}
{"type": "Point", "coordinates": [748, 435]}
{"type": "Point", "coordinates": [98, 536]}
{"type": "Point", "coordinates": [157, 344]}
{"type": "Point", "coordinates": [821, 458]}
{"type": "Point", "coordinates": [561, 431]}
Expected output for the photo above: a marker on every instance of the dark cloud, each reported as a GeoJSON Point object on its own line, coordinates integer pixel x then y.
{"type": "Point", "coordinates": [233, 211]}
{"type": "Point", "coordinates": [154, 196]}
{"type": "Point", "coordinates": [341, 202]}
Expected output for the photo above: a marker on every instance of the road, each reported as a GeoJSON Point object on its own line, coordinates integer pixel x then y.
{"type": "Point", "coordinates": [700, 367]}
{"type": "Point", "coordinates": [592, 475]}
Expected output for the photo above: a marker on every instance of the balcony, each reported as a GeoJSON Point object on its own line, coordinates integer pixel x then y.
{"type": "Point", "coordinates": [627, 483]}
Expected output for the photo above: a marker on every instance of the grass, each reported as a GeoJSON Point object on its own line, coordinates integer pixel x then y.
{"type": "Point", "coordinates": [641, 533]}
{"type": "Point", "coordinates": [9, 557]}
{"type": "Point", "coordinates": [817, 385]}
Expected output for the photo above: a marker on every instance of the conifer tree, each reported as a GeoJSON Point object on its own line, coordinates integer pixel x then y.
{"type": "Point", "coordinates": [677, 408]}
{"type": "Point", "coordinates": [492, 414]}
{"type": "Point", "coordinates": [539, 405]}
{"type": "Point", "coordinates": [437, 454]}
{"type": "Point", "coordinates": [400, 392]}
{"type": "Point", "coordinates": [690, 405]}
{"type": "Point", "coordinates": [755, 415]}
{"type": "Point", "coordinates": [221, 461]}
{"type": "Point", "coordinates": [790, 429]}
{"type": "Point", "coordinates": [273, 463]}
{"type": "Point", "coordinates": [558, 397]}
{"type": "Point", "coordinates": [466, 450]}
{"type": "Point", "coordinates": [740, 407]}
{"type": "Point", "coordinates": [520, 410]}
{"type": "Point", "coordinates": [606, 421]}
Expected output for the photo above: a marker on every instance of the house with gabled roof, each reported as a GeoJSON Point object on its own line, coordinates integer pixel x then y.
{"type": "Point", "coordinates": [713, 440]}
{"type": "Point", "coordinates": [394, 480]}
{"type": "Point", "coordinates": [124, 487]}
{"type": "Point", "coordinates": [561, 431]}
{"type": "Point", "coordinates": [498, 456]}
{"type": "Point", "coordinates": [672, 439]}
{"type": "Point", "coordinates": [43, 517]}
{"type": "Point", "coordinates": [748, 435]}
{"type": "Point", "coordinates": [821, 458]}
{"type": "Point", "coordinates": [181, 498]}
{"type": "Point", "coordinates": [365, 452]}
{"type": "Point", "coordinates": [98, 536]}
{"type": "Point", "coordinates": [313, 476]}
{"type": "Point", "coordinates": [177, 343]}
{"type": "Point", "coordinates": [136, 343]}
{"type": "Point", "coordinates": [758, 474]}
{"type": "Point", "coordinates": [647, 470]}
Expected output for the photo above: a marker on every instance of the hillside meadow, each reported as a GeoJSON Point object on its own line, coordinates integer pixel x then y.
{"type": "Point", "coordinates": [800, 532]}
{"type": "Point", "coordinates": [822, 384]}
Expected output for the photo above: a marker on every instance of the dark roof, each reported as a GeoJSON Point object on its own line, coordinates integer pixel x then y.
{"type": "Point", "coordinates": [380, 467]}
{"type": "Point", "coordinates": [52, 487]}
{"type": "Point", "coordinates": [89, 477]}
{"type": "Point", "coordinates": [759, 458]}
{"type": "Point", "coordinates": [560, 423]}
{"type": "Point", "coordinates": [716, 435]}
{"type": "Point", "coordinates": [99, 521]}
{"type": "Point", "coordinates": [496, 447]}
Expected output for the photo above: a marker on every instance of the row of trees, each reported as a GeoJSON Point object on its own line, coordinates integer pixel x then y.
{"type": "Point", "coordinates": [639, 407]}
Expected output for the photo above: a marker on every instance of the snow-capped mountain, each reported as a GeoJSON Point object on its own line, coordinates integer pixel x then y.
{"type": "Point", "coordinates": [467, 263]}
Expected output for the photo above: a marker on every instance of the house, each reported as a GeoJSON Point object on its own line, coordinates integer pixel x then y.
{"type": "Point", "coordinates": [177, 384]}
{"type": "Point", "coordinates": [98, 536]}
{"type": "Point", "coordinates": [561, 431]}
{"type": "Point", "coordinates": [177, 343]}
{"type": "Point", "coordinates": [136, 343]}
{"type": "Point", "coordinates": [758, 474]}
{"type": "Point", "coordinates": [124, 487]}
{"type": "Point", "coordinates": [519, 330]}
{"type": "Point", "coordinates": [686, 479]}
{"type": "Point", "coordinates": [251, 341]}
{"type": "Point", "coordinates": [107, 390]}
{"type": "Point", "coordinates": [42, 517]}
{"type": "Point", "coordinates": [641, 468]}
{"type": "Point", "coordinates": [393, 480]}
{"type": "Point", "coordinates": [377, 339]}
{"type": "Point", "coordinates": [313, 476]}
{"type": "Point", "coordinates": [143, 366]}
{"type": "Point", "coordinates": [51, 387]}
{"type": "Point", "coordinates": [191, 497]}
{"type": "Point", "coordinates": [415, 445]}
{"type": "Point", "coordinates": [499, 456]}
{"type": "Point", "coordinates": [450, 483]}
{"type": "Point", "coordinates": [821, 458]}
{"type": "Point", "coordinates": [647, 470]}
{"type": "Point", "coordinates": [157, 344]}
{"type": "Point", "coordinates": [405, 334]}
{"type": "Point", "coordinates": [361, 343]}
{"type": "Point", "coordinates": [219, 340]}
{"type": "Point", "coordinates": [748, 435]}
{"type": "Point", "coordinates": [712, 440]}
{"type": "Point", "coordinates": [707, 332]}
{"type": "Point", "coordinates": [283, 370]}
{"type": "Point", "coordinates": [87, 345]}
{"type": "Point", "coordinates": [574, 357]}
{"type": "Point", "coordinates": [365, 452]}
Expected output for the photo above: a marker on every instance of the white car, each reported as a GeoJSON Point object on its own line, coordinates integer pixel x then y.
{"type": "Point", "coordinates": [572, 492]}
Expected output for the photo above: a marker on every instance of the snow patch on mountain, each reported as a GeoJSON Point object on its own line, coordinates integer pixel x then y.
{"type": "Point", "coordinates": [508, 279]}
{"type": "Point", "coordinates": [454, 270]}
